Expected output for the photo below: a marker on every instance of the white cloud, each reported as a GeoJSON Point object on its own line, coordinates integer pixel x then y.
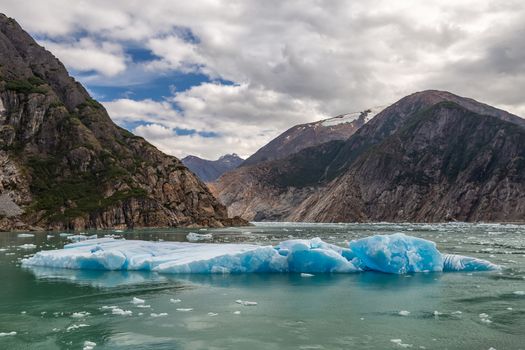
{"type": "Point", "coordinates": [291, 61]}
{"type": "Point", "coordinates": [243, 117]}
{"type": "Point", "coordinates": [88, 55]}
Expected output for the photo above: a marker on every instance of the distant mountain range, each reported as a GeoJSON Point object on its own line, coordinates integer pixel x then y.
{"type": "Point", "coordinates": [211, 170]}
{"type": "Point", "coordinates": [66, 165]}
{"type": "Point", "coordinates": [432, 156]}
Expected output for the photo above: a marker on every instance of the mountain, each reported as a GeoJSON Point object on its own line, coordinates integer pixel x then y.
{"type": "Point", "coordinates": [66, 165]}
{"type": "Point", "coordinates": [312, 134]}
{"type": "Point", "coordinates": [432, 156]}
{"type": "Point", "coordinates": [211, 170]}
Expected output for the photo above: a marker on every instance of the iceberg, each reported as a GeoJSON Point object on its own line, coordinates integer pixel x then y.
{"type": "Point", "coordinates": [396, 254]}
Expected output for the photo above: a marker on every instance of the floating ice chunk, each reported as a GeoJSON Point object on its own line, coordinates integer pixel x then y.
{"type": "Point", "coordinates": [185, 309]}
{"type": "Point", "coordinates": [162, 314]}
{"type": "Point", "coordinates": [306, 274]}
{"type": "Point", "coordinates": [212, 314]}
{"type": "Point", "coordinates": [236, 312]}
{"type": "Point", "coordinates": [25, 235]}
{"type": "Point", "coordinates": [119, 311]}
{"type": "Point", "coordinates": [484, 318]}
{"type": "Point", "coordinates": [106, 307]}
{"type": "Point", "coordinates": [400, 343]}
{"type": "Point", "coordinates": [65, 234]}
{"type": "Point", "coordinates": [142, 306]}
{"type": "Point", "coordinates": [396, 253]}
{"type": "Point", "coordinates": [7, 334]}
{"type": "Point", "coordinates": [79, 238]}
{"type": "Point", "coordinates": [27, 246]}
{"type": "Point", "coordinates": [80, 314]}
{"type": "Point", "coordinates": [453, 262]}
{"type": "Point", "coordinates": [89, 345]}
{"type": "Point", "coordinates": [175, 301]}
{"type": "Point", "coordinates": [195, 237]}
{"type": "Point", "coordinates": [137, 301]}
{"type": "Point", "coordinates": [404, 313]}
{"type": "Point", "coordinates": [519, 292]}
{"type": "Point", "coordinates": [76, 326]}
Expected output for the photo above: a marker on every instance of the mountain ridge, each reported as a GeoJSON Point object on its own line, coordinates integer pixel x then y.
{"type": "Point", "coordinates": [211, 170]}
{"type": "Point", "coordinates": [358, 181]}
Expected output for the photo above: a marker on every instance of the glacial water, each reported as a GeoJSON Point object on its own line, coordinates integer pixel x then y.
{"type": "Point", "coordinates": [43, 308]}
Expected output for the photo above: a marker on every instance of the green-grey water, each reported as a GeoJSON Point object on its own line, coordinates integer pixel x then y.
{"type": "Point", "coordinates": [69, 309]}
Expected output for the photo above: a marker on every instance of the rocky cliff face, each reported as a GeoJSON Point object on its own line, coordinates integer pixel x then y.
{"type": "Point", "coordinates": [211, 170]}
{"type": "Point", "coordinates": [432, 156]}
{"type": "Point", "coordinates": [66, 165]}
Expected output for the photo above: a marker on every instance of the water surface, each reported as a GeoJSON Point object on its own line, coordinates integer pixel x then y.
{"type": "Point", "coordinates": [62, 309]}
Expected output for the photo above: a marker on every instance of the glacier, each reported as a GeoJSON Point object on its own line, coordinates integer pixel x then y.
{"type": "Point", "coordinates": [395, 254]}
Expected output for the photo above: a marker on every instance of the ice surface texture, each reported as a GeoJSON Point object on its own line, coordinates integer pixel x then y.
{"type": "Point", "coordinates": [395, 253]}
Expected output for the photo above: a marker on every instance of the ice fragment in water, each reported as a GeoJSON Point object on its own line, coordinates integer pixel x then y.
{"type": "Point", "coordinates": [6, 334]}
{"type": "Point", "coordinates": [184, 309]}
{"type": "Point", "coordinates": [137, 301]}
{"type": "Point", "coordinates": [162, 314]}
{"type": "Point", "coordinates": [404, 313]}
{"type": "Point", "coordinates": [395, 253]}
{"type": "Point", "coordinates": [89, 345]}
{"type": "Point", "coordinates": [25, 235]}
{"type": "Point", "coordinates": [80, 314]}
{"type": "Point", "coordinates": [119, 311]}
{"type": "Point", "coordinates": [194, 237]}
{"type": "Point", "coordinates": [175, 301]}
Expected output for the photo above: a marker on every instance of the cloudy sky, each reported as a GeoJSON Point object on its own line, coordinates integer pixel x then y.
{"type": "Point", "coordinates": [209, 77]}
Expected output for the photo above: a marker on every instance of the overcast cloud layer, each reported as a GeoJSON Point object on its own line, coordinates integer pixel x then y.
{"type": "Point", "coordinates": [268, 65]}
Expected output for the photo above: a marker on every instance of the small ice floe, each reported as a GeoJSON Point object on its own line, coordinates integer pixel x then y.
{"type": "Point", "coordinates": [76, 326]}
{"type": "Point", "coordinates": [107, 307]}
{"type": "Point", "coordinates": [63, 234]}
{"type": "Point", "coordinates": [120, 312]}
{"type": "Point", "coordinates": [519, 292]}
{"type": "Point", "coordinates": [484, 318]}
{"type": "Point", "coordinates": [400, 343]}
{"type": "Point", "coordinates": [118, 231]}
{"type": "Point", "coordinates": [437, 313]}
{"type": "Point", "coordinates": [89, 345]}
{"type": "Point", "coordinates": [236, 312]}
{"type": "Point", "coordinates": [143, 306]}
{"type": "Point", "coordinates": [175, 301]}
{"type": "Point", "coordinates": [27, 246]}
{"type": "Point", "coordinates": [79, 238]}
{"type": "Point", "coordinates": [162, 314]}
{"type": "Point", "coordinates": [80, 314]}
{"type": "Point", "coordinates": [50, 236]}
{"type": "Point", "coordinates": [212, 314]}
{"type": "Point", "coordinates": [25, 235]}
{"type": "Point", "coordinates": [457, 313]}
{"type": "Point", "coordinates": [137, 301]}
{"type": "Point", "coordinates": [195, 237]}
{"type": "Point", "coordinates": [23, 312]}
{"type": "Point", "coordinates": [181, 309]}
{"type": "Point", "coordinates": [404, 313]}
{"type": "Point", "coordinates": [3, 249]}
{"type": "Point", "coordinates": [7, 334]}
{"type": "Point", "coordinates": [246, 303]}
{"type": "Point", "coordinates": [306, 274]}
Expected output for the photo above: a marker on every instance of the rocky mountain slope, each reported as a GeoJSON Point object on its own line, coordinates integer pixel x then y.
{"type": "Point", "coordinates": [312, 134]}
{"type": "Point", "coordinates": [211, 170]}
{"type": "Point", "coordinates": [432, 156]}
{"type": "Point", "coordinates": [66, 165]}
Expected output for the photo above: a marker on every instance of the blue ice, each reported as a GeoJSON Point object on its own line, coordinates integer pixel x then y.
{"type": "Point", "coordinates": [397, 253]}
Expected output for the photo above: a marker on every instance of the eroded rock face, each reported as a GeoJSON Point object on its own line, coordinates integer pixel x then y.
{"type": "Point", "coordinates": [432, 156]}
{"type": "Point", "coordinates": [66, 165]}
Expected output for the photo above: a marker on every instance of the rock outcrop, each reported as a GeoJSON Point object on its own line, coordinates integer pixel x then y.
{"type": "Point", "coordinates": [211, 170]}
{"type": "Point", "coordinates": [432, 156]}
{"type": "Point", "coordinates": [66, 165]}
